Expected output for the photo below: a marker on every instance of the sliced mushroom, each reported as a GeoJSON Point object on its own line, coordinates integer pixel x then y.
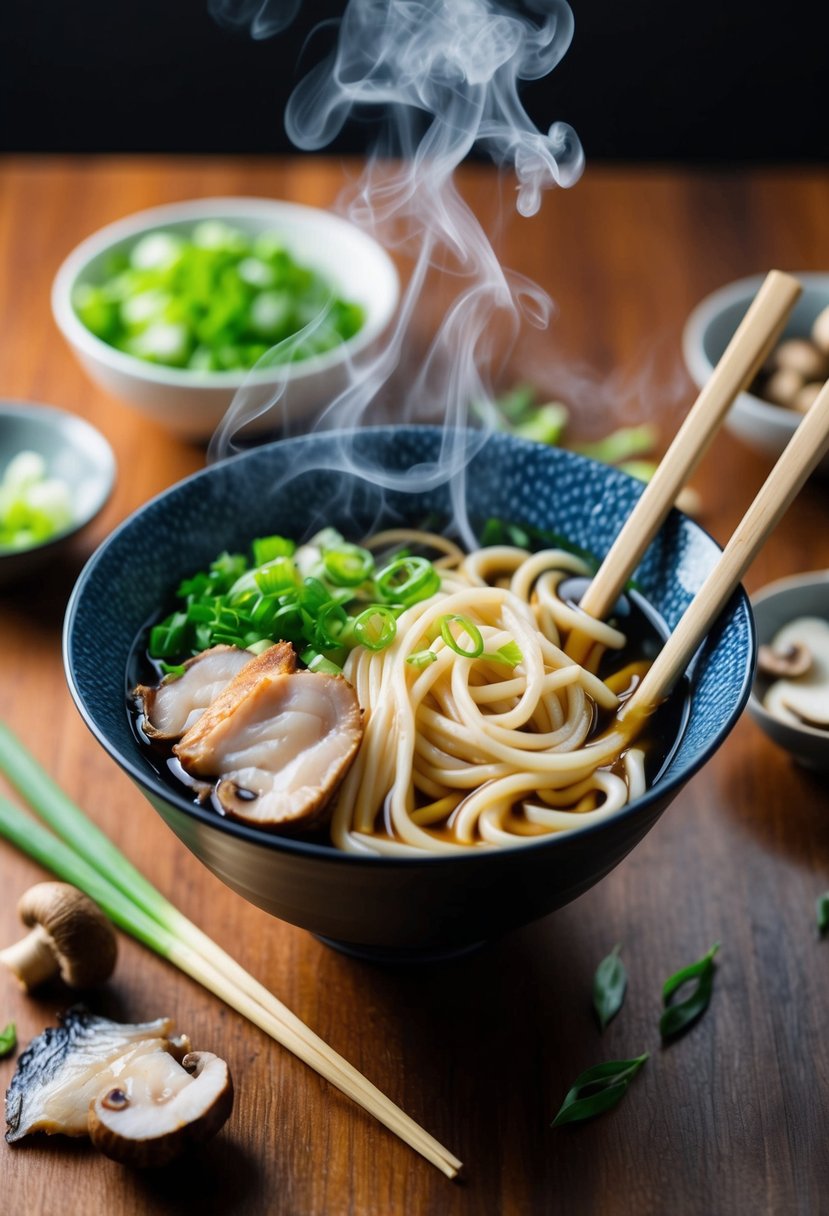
{"type": "Point", "coordinates": [794, 661]}
{"type": "Point", "coordinates": [157, 1107]}
{"type": "Point", "coordinates": [70, 937]}
{"type": "Point", "coordinates": [279, 745]}
{"type": "Point", "coordinates": [803, 700]}
{"type": "Point", "coordinates": [59, 1073]}
{"type": "Point", "coordinates": [173, 706]}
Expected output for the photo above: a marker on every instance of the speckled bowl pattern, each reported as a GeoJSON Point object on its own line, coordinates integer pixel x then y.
{"type": "Point", "coordinates": [775, 606]}
{"type": "Point", "coordinates": [398, 905]}
{"type": "Point", "coordinates": [761, 426]}
{"type": "Point", "coordinates": [75, 452]}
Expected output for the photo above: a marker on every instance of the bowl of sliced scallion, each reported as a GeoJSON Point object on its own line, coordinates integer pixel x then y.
{"type": "Point", "coordinates": [56, 473]}
{"type": "Point", "coordinates": [175, 309]}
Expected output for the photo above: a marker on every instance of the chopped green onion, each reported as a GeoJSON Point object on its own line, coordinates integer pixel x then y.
{"type": "Point", "coordinates": [348, 565]}
{"type": "Point", "coordinates": [266, 548]}
{"type": "Point", "coordinates": [34, 508]}
{"type": "Point", "coordinates": [627, 443]}
{"type": "Point", "coordinates": [421, 658]}
{"type": "Point", "coordinates": [375, 627]}
{"type": "Point", "coordinates": [173, 670]}
{"type": "Point", "coordinates": [407, 580]}
{"type": "Point", "coordinates": [509, 653]}
{"type": "Point", "coordinates": [217, 300]}
{"type": "Point", "coordinates": [465, 626]}
{"type": "Point", "coordinates": [8, 1039]}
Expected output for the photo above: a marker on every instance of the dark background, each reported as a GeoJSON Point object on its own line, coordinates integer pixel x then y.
{"type": "Point", "coordinates": [644, 79]}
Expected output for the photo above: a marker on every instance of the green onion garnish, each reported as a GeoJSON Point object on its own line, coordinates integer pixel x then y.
{"type": "Point", "coordinates": [375, 627]}
{"type": "Point", "coordinates": [348, 566]}
{"type": "Point", "coordinates": [465, 626]}
{"type": "Point", "coordinates": [407, 581]}
{"type": "Point", "coordinates": [421, 658]}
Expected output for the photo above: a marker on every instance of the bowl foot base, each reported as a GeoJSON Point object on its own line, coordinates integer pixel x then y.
{"type": "Point", "coordinates": [394, 956]}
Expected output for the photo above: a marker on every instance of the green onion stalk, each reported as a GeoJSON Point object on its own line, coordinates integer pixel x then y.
{"type": "Point", "coordinates": [78, 852]}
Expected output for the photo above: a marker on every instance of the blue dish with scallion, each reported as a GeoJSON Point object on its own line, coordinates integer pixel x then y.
{"type": "Point", "coordinates": [56, 474]}
{"type": "Point", "coordinates": [387, 906]}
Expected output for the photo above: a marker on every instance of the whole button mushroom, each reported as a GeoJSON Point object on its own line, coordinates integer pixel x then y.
{"type": "Point", "coordinates": [801, 356]}
{"type": "Point", "coordinates": [70, 937]}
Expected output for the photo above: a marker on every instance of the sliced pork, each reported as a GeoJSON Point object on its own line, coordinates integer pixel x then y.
{"type": "Point", "coordinates": [172, 707]}
{"type": "Point", "coordinates": [277, 744]}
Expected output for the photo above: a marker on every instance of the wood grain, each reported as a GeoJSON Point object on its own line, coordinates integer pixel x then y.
{"type": "Point", "coordinates": [732, 1118]}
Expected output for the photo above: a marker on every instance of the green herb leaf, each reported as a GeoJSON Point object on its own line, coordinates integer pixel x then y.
{"type": "Point", "coordinates": [609, 984]}
{"type": "Point", "coordinates": [678, 1017]}
{"type": "Point", "coordinates": [598, 1089]}
{"type": "Point", "coordinates": [822, 913]}
{"type": "Point", "coordinates": [8, 1039]}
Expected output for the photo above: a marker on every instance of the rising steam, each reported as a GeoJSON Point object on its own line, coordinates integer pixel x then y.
{"type": "Point", "coordinates": [440, 76]}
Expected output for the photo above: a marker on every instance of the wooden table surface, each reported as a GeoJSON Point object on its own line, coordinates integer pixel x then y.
{"type": "Point", "coordinates": [731, 1119]}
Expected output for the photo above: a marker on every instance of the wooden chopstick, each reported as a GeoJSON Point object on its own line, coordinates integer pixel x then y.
{"type": "Point", "coordinates": [742, 359]}
{"type": "Point", "coordinates": [800, 456]}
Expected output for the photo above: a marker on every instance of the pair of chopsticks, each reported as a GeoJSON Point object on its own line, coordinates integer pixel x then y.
{"type": "Point", "coordinates": [741, 361]}
{"type": "Point", "coordinates": [80, 853]}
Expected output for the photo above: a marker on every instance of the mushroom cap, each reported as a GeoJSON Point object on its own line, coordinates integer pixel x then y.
{"type": "Point", "coordinates": [82, 938]}
{"type": "Point", "coordinates": [157, 1108]}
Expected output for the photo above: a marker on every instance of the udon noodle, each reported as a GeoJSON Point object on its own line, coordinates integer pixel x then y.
{"type": "Point", "coordinates": [470, 752]}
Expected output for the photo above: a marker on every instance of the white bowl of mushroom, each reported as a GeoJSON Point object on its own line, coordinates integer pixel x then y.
{"type": "Point", "coordinates": [765, 417]}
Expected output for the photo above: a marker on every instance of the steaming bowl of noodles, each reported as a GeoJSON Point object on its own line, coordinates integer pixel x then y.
{"type": "Point", "coordinates": [482, 778]}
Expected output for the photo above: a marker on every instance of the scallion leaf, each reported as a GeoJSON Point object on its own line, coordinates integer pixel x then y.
{"type": "Point", "coordinates": [822, 913]}
{"type": "Point", "coordinates": [598, 1089]}
{"type": "Point", "coordinates": [609, 984]}
{"type": "Point", "coordinates": [678, 1017]}
{"type": "Point", "coordinates": [8, 1039]}
{"type": "Point", "coordinates": [464, 626]}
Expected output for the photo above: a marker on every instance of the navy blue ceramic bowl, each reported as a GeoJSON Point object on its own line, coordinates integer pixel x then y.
{"type": "Point", "coordinates": [432, 904]}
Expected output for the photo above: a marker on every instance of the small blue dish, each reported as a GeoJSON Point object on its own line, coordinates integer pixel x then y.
{"type": "Point", "coordinates": [74, 452]}
{"type": "Point", "coordinates": [403, 906]}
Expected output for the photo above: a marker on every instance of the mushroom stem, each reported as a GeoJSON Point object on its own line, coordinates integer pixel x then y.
{"type": "Point", "coordinates": [32, 959]}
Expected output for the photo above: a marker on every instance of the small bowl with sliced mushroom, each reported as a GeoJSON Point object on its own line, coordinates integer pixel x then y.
{"type": "Point", "coordinates": [790, 696]}
{"type": "Point", "coordinates": [765, 417]}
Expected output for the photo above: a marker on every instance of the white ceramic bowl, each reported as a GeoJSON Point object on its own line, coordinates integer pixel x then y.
{"type": "Point", "coordinates": [192, 403]}
{"type": "Point", "coordinates": [773, 607]}
{"type": "Point", "coordinates": [761, 426]}
{"type": "Point", "coordinates": [74, 452]}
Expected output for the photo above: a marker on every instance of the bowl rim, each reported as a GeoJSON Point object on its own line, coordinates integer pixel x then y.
{"type": "Point", "coordinates": [781, 587]}
{"type": "Point", "coordinates": [311, 850]}
{"type": "Point", "coordinates": [708, 309]}
{"type": "Point", "coordinates": [246, 207]}
{"type": "Point", "coordinates": [63, 422]}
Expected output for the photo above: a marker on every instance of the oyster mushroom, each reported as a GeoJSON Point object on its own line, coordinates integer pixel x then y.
{"type": "Point", "coordinates": [158, 1107]}
{"type": "Point", "coordinates": [279, 744]}
{"type": "Point", "coordinates": [60, 1072]}
{"type": "Point", "coordinates": [803, 700]}
{"type": "Point", "coordinates": [70, 937]}
{"type": "Point", "coordinates": [173, 706]}
{"type": "Point", "coordinates": [795, 660]}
